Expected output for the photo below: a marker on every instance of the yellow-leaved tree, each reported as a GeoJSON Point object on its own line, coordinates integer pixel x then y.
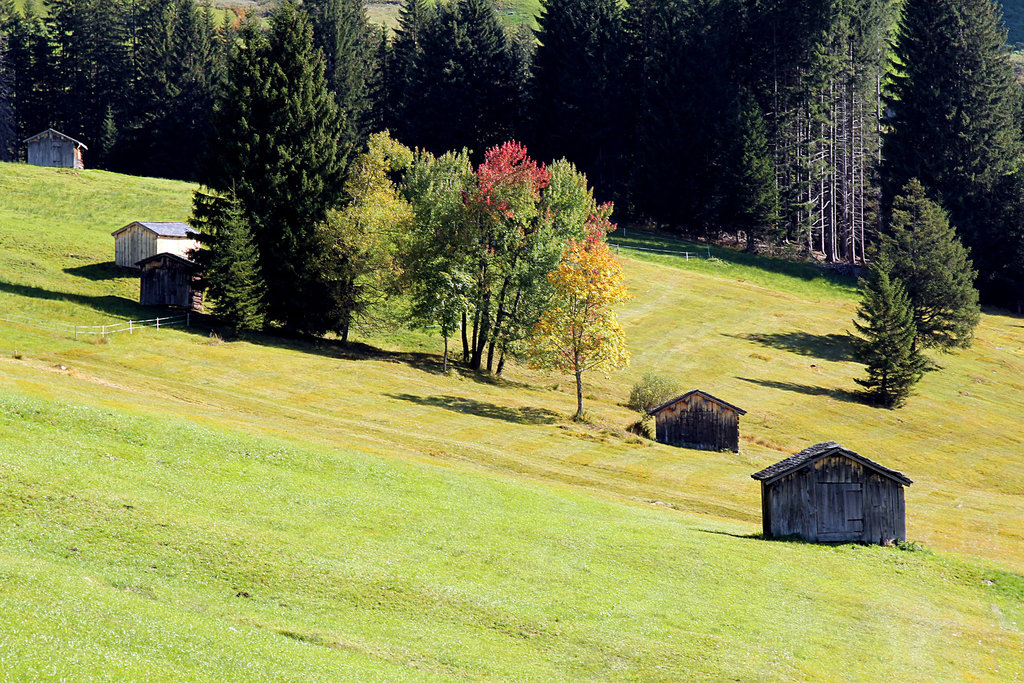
{"type": "Point", "coordinates": [579, 330]}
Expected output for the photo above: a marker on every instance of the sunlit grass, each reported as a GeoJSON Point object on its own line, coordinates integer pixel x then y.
{"type": "Point", "coordinates": [279, 509]}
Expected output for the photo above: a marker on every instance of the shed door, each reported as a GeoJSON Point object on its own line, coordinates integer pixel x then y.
{"type": "Point", "coordinates": [840, 511]}
{"type": "Point", "coordinates": [56, 154]}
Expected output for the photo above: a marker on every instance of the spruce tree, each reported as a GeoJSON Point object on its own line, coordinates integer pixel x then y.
{"type": "Point", "coordinates": [886, 347]}
{"type": "Point", "coordinates": [230, 270]}
{"type": "Point", "coordinates": [343, 34]}
{"type": "Point", "coordinates": [954, 122]}
{"type": "Point", "coordinates": [276, 150]}
{"type": "Point", "coordinates": [7, 123]}
{"type": "Point", "coordinates": [576, 96]}
{"type": "Point", "coordinates": [404, 56]}
{"type": "Point", "coordinates": [755, 205]}
{"type": "Point", "coordinates": [927, 256]}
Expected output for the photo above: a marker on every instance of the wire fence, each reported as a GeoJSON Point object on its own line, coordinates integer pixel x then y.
{"type": "Point", "coordinates": [685, 254]}
{"type": "Point", "coordinates": [129, 326]}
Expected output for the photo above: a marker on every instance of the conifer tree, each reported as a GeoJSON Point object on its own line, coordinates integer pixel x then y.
{"type": "Point", "coordinates": [405, 55]}
{"type": "Point", "coordinates": [29, 64]}
{"type": "Point", "coordinates": [755, 205]}
{"type": "Point", "coordinates": [7, 123]}
{"type": "Point", "coordinates": [576, 98]}
{"type": "Point", "coordinates": [341, 30]}
{"type": "Point", "coordinates": [276, 149]}
{"type": "Point", "coordinates": [886, 347]}
{"type": "Point", "coordinates": [954, 124]}
{"type": "Point", "coordinates": [230, 270]}
{"type": "Point", "coordinates": [924, 253]}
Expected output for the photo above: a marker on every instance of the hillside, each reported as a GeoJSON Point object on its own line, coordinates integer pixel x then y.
{"type": "Point", "coordinates": [177, 505]}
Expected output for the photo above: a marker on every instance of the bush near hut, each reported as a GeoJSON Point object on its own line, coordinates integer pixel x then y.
{"type": "Point", "coordinates": [653, 388]}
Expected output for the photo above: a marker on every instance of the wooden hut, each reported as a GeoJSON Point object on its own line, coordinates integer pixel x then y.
{"type": "Point", "coordinates": [169, 280]}
{"type": "Point", "coordinates": [698, 420]}
{"type": "Point", "coordinates": [53, 148]}
{"type": "Point", "coordinates": [140, 240]}
{"type": "Point", "coordinates": [829, 494]}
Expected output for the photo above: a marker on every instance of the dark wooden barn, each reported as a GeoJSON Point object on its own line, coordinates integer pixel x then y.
{"type": "Point", "coordinates": [168, 280]}
{"type": "Point", "coordinates": [698, 420]}
{"type": "Point", "coordinates": [53, 148]}
{"type": "Point", "coordinates": [829, 494]}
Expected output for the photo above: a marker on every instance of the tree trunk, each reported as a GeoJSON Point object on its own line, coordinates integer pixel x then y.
{"type": "Point", "coordinates": [579, 395]}
{"type": "Point", "coordinates": [444, 364]}
{"type": "Point", "coordinates": [465, 339]}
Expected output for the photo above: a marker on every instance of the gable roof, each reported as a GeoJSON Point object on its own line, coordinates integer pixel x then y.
{"type": "Point", "coordinates": [809, 455]}
{"type": "Point", "coordinates": [58, 134]}
{"type": "Point", "coordinates": [163, 229]}
{"type": "Point", "coordinates": [672, 401]}
{"type": "Point", "coordinates": [167, 255]}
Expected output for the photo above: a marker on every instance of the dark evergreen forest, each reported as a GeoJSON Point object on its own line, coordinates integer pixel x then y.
{"type": "Point", "coordinates": [786, 125]}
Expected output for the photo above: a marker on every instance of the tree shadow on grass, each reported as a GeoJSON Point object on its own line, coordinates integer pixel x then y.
{"type": "Point", "coordinates": [838, 394]}
{"type": "Point", "coordinates": [109, 304]}
{"type": "Point", "coordinates": [102, 271]}
{"type": "Point", "coordinates": [759, 536]}
{"type": "Point", "coordinates": [830, 347]}
{"type": "Point", "coordinates": [469, 406]}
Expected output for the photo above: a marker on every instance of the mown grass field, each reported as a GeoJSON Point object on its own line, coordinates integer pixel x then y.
{"type": "Point", "coordinates": [174, 505]}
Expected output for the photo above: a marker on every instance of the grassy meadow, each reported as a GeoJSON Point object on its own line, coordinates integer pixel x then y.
{"type": "Point", "coordinates": [174, 505]}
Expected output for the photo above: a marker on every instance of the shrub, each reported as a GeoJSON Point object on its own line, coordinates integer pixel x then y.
{"type": "Point", "coordinates": [652, 389]}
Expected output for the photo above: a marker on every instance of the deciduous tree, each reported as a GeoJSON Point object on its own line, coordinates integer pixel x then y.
{"type": "Point", "coordinates": [579, 331]}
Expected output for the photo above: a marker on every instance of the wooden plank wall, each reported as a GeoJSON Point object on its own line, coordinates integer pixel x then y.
{"type": "Point", "coordinates": [133, 245]}
{"type": "Point", "coordinates": [165, 285]}
{"type": "Point", "coordinates": [835, 500]}
{"type": "Point", "coordinates": [698, 423]}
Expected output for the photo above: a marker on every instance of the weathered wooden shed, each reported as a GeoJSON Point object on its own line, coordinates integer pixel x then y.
{"type": "Point", "coordinates": [142, 239]}
{"type": "Point", "coordinates": [829, 494]}
{"type": "Point", "coordinates": [53, 148]}
{"type": "Point", "coordinates": [698, 420]}
{"type": "Point", "coordinates": [169, 280]}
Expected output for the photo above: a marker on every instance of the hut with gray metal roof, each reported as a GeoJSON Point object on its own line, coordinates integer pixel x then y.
{"type": "Point", "coordinates": [142, 239]}
{"type": "Point", "coordinates": [699, 420]}
{"type": "Point", "coordinates": [829, 494]}
{"type": "Point", "coordinates": [53, 148]}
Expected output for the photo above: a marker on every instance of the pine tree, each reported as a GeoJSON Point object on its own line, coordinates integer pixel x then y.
{"type": "Point", "coordinates": [926, 255]}
{"type": "Point", "coordinates": [405, 56]}
{"type": "Point", "coordinates": [755, 206]}
{"type": "Point", "coordinates": [576, 97]}
{"type": "Point", "coordinates": [230, 269]}
{"type": "Point", "coordinates": [954, 122]}
{"type": "Point", "coordinates": [276, 149]}
{"type": "Point", "coordinates": [343, 34]}
{"type": "Point", "coordinates": [91, 71]}
{"type": "Point", "coordinates": [7, 122]}
{"type": "Point", "coordinates": [888, 332]}
{"type": "Point", "coordinates": [465, 91]}
{"type": "Point", "coordinates": [29, 64]}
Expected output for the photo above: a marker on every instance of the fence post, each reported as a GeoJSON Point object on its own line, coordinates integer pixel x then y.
{"type": "Point", "coordinates": [130, 329]}
{"type": "Point", "coordinates": [188, 318]}
{"type": "Point", "coordinates": [158, 323]}
{"type": "Point", "coordinates": [76, 332]}
{"type": "Point", "coordinates": [709, 251]}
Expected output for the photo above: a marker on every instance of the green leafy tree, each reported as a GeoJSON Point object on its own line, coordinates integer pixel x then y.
{"type": "Point", "coordinates": [358, 254]}
{"type": "Point", "coordinates": [276, 149]}
{"type": "Point", "coordinates": [887, 342]}
{"type": "Point", "coordinates": [926, 255]}
{"type": "Point", "coordinates": [230, 270]}
{"type": "Point", "coordinates": [954, 123]}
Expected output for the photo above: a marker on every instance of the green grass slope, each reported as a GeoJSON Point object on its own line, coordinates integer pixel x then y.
{"type": "Point", "coordinates": [176, 506]}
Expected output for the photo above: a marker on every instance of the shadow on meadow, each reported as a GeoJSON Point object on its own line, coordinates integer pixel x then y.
{"type": "Point", "coordinates": [810, 390]}
{"type": "Point", "coordinates": [102, 271]}
{"type": "Point", "coordinates": [469, 406]}
{"type": "Point", "coordinates": [109, 304]}
{"type": "Point", "coordinates": [830, 347]}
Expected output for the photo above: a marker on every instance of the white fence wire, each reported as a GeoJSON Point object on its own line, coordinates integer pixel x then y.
{"type": "Point", "coordinates": [129, 326]}
{"type": "Point", "coordinates": [685, 254]}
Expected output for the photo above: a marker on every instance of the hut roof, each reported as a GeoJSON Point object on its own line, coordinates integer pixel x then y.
{"type": "Point", "coordinates": [58, 134]}
{"type": "Point", "coordinates": [809, 455]}
{"type": "Point", "coordinates": [163, 229]}
{"type": "Point", "coordinates": [672, 401]}
{"type": "Point", "coordinates": [174, 258]}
